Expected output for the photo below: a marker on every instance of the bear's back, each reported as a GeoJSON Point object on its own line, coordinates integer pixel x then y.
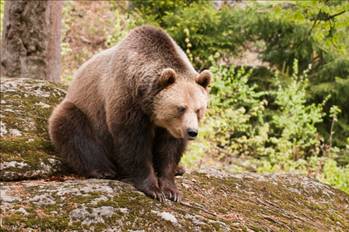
{"type": "Point", "coordinates": [145, 48]}
{"type": "Point", "coordinates": [155, 45]}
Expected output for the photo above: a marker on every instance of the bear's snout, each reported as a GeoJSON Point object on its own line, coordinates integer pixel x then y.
{"type": "Point", "coordinates": [192, 133]}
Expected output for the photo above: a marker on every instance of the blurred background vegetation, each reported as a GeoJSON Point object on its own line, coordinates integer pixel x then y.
{"type": "Point", "coordinates": [280, 96]}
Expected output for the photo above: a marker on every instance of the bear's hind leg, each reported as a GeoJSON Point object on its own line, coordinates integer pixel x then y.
{"type": "Point", "coordinates": [73, 137]}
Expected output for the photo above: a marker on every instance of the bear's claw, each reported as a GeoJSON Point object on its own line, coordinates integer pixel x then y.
{"type": "Point", "coordinates": [169, 189]}
{"type": "Point", "coordinates": [155, 194]}
{"type": "Point", "coordinates": [159, 196]}
{"type": "Point", "coordinates": [149, 187]}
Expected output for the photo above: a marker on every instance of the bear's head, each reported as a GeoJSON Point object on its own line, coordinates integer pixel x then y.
{"type": "Point", "coordinates": [181, 103]}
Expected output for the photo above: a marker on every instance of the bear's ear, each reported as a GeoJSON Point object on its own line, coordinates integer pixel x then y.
{"type": "Point", "coordinates": [204, 78]}
{"type": "Point", "coordinates": [167, 77]}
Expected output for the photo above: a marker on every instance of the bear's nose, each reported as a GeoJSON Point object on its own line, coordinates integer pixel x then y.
{"type": "Point", "coordinates": [192, 133]}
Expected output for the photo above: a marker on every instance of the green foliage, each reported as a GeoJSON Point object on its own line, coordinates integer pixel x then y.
{"type": "Point", "coordinates": [155, 10]}
{"type": "Point", "coordinates": [276, 128]}
{"type": "Point", "coordinates": [334, 175]}
{"type": "Point", "coordinates": [254, 122]}
{"type": "Point", "coordinates": [236, 112]}
{"type": "Point", "coordinates": [294, 118]}
{"type": "Point", "coordinates": [312, 32]}
{"type": "Point", "coordinates": [206, 32]}
{"type": "Point", "coordinates": [120, 30]}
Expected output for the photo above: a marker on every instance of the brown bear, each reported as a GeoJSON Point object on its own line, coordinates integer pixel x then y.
{"type": "Point", "coordinates": [130, 111]}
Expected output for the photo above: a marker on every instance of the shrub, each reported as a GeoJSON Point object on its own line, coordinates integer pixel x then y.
{"type": "Point", "coordinates": [275, 129]}
{"type": "Point", "coordinates": [334, 175]}
{"type": "Point", "coordinates": [237, 112]}
{"type": "Point", "coordinates": [277, 121]}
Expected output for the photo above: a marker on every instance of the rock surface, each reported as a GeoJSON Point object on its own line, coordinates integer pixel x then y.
{"type": "Point", "coordinates": [24, 146]}
{"type": "Point", "coordinates": [212, 202]}
{"type": "Point", "coordinates": [37, 196]}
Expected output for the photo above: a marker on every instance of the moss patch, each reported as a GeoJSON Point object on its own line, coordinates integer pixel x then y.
{"type": "Point", "coordinates": [25, 149]}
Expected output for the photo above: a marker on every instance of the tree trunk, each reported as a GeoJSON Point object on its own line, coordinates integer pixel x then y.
{"type": "Point", "coordinates": [31, 39]}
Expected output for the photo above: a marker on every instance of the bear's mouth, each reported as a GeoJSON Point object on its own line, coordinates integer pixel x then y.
{"type": "Point", "coordinates": [179, 135]}
{"type": "Point", "coordinates": [175, 133]}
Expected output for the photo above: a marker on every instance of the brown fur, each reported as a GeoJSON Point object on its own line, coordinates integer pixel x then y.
{"type": "Point", "coordinates": [114, 121]}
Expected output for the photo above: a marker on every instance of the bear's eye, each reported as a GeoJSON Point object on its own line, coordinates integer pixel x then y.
{"type": "Point", "coordinates": [199, 113]}
{"type": "Point", "coordinates": [181, 109]}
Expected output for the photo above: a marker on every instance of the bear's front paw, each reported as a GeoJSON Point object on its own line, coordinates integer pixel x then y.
{"type": "Point", "coordinates": [151, 189]}
{"type": "Point", "coordinates": [168, 187]}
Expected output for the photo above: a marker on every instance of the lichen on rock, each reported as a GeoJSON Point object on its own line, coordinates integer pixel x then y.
{"type": "Point", "coordinates": [24, 147]}
{"type": "Point", "coordinates": [236, 202]}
